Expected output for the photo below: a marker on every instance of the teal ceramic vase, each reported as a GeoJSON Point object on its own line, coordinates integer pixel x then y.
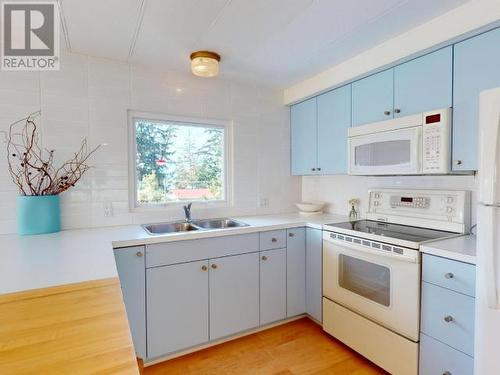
{"type": "Point", "coordinates": [38, 214]}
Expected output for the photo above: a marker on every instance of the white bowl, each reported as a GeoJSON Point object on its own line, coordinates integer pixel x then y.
{"type": "Point", "coordinates": [310, 206]}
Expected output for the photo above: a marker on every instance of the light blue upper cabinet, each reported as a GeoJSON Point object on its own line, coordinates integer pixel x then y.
{"type": "Point", "coordinates": [334, 118]}
{"type": "Point", "coordinates": [424, 83]}
{"type": "Point", "coordinates": [303, 117]}
{"type": "Point", "coordinates": [476, 68]}
{"type": "Point", "coordinates": [372, 98]}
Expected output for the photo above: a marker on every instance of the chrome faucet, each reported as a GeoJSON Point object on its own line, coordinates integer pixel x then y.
{"type": "Point", "coordinates": [187, 212]}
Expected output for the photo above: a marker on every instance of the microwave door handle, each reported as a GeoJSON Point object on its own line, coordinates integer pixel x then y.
{"type": "Point", "coordinates": [418, 150]}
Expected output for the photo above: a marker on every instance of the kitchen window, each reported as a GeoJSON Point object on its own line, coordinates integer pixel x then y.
{"type": "Point", "coordinates": [178, 160]}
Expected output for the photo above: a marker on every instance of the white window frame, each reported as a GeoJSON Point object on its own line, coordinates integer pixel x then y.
{"type": "Point", "coordinates": [227, 125]}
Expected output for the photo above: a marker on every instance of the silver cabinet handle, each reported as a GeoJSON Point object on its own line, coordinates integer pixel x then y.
{"type": "Point", "coordinates": [264, 257]}
{"type": "Point", "coordinates": [214, 266]}
{"type": "Point", "coordinates": [448, 319]}
{"type": "Point", "coordinates": [274, 240]}
{"type": "Point", "coordinates": [387, 113]}
{"type": "Point", "coordinates": [291, 234]}
{"type": "Point", "coordinates": [397, 110]}
{"type": "Point", "coordinates": [449, 275]}
{"type": "Point", "coordinates": [458, 162]}
{"type": "Point", "coordinates": [446, 373]}
{"type": "Point", "coordinates": [313, 169]}
{"type": "Point", "coordinates": [319, 169]}
{"type": "Point", "coordinates": [139, 254]}
{"type": "Point", "coordinates": [204, 268]}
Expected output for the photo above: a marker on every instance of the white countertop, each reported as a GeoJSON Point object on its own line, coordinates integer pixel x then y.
{"type": "Point", "coordinates": [462, 248]}
{"type": "Point", "coordinates": [73, 256]}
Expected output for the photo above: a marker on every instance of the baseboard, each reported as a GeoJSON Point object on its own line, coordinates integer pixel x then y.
{"type": "Point", "coordinates": [225, 339]}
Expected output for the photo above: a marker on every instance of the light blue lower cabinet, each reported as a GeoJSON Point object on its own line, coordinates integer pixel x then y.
{"type": "Point", "coordinates": [272, 286]}
{"type": "Point", "coordinates": [437, 358]}
{"type": "Point", "coordinates": [314, 273]}
{"type": "Point", "coordinates": [173, 307]}
{"type": "Point", "coordinates": [177, 307]}
{"type": "Point", "coordinates": [234, 294]}
{"type": "Point", "coordinates": [131, 270]}
{"type": "Point", "coordinates": [296, 272]}
{"type": "Point", "coordinates": [449, 317]}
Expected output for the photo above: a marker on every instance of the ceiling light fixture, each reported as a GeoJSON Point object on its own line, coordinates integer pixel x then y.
{"type": "Point", "coordinates": [205, 63]}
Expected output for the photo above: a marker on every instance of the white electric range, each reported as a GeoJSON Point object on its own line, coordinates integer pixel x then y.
{"type": "Point", "coordinates": [372, 271]}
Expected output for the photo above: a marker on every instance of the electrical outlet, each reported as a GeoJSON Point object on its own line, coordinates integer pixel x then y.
{"type": "Point", "coordinates": [264, 202]}
{"type": "Point", "coordinates": [108, 209]}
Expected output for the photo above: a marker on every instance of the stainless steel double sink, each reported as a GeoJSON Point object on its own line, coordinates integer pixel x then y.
{"type": "Point", "coordinates": [195, 225]}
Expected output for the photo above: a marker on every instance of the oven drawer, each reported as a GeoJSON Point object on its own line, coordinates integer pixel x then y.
{"type": "Point", "coordinates": [437, 358]}
{"type": "Point", "coordinates": [385, 348]}
{"type": "Point", "coordinates": [274, 239]}
{"type": "Point", "coordinates": [450, 274]}
{"type": "Point", "coordinates": [448, 317]}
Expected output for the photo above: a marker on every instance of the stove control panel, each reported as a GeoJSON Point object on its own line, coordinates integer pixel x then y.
{"type": "Point", "coordinates": [437, 209]}
{"type": "Point", "coordinates": [415, 202]}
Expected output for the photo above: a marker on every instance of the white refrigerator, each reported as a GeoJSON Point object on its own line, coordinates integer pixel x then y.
{"type": "Point", "coordinates": [487, 336]}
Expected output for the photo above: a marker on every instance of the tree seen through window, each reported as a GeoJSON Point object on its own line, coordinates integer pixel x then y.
{"type": "Point", "coordinates": [179, 162]}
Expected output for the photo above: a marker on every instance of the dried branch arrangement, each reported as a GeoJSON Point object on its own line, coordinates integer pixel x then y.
{"type": "Point", "coordinates": [32, 169]}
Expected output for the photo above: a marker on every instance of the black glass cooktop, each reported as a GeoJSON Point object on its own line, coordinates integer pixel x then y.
{"type": "Point", "coordinates": [397, 231]}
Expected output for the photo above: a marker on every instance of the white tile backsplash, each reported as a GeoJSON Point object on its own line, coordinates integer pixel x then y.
{"type": "Point", "coordinates": [90, 97]}
{"type": "Point", "coordinates": [337, 190]}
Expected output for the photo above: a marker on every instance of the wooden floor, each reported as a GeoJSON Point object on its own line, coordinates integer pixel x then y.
{"type": "Point", "coordinates": [299, 347]}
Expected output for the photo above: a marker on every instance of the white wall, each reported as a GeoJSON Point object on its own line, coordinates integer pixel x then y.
{"type": "Point", "coordinates": [337, 190]}
{"type": "Point", "coordinates": [89, 97]}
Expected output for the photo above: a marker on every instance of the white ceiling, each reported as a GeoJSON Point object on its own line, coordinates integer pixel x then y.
{"type": "Point", "coordinates": [273, 42]}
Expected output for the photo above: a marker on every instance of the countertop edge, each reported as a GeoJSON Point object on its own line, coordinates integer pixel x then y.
{"type": "Point", "coordinates": [448, 254]}
{"type": "Point", "coordinates": [155, 239]}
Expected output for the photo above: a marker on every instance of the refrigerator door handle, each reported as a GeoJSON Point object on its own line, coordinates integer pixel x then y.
{"type": "Point", "coordinates": [489, 124]}
{"type": "Point", "coordinates": [488, 231]}
{"type": "Point", "coordinates": [494, 205]}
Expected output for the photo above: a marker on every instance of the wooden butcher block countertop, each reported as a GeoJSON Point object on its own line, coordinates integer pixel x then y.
{"type": "Point", "coordinates": [71, 329]}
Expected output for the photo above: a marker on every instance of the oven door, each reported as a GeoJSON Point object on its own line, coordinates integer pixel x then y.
{"type": "Point", "coordinates": [382, 286]}
{"type": "Point", "coordinates": [392, 152]}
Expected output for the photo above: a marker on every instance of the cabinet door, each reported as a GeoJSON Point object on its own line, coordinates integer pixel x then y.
{"type": "Point", "coordinates": [334, 119]}
{"type": "Point", "coordinates": [303, 118]}
{"type": "Point", "coordinates": [424, 84]}
{"type": "Point", "coordinates": [131, 270]}
{"type": "Point", "coordinates": [437, 358]}
{"type": "Point", "coordinates": [314, 272]}
{"type": "Point", "coordinates": [272, 285]}
{"type": "Point", "coordinates": [296, 272]}
{"type": "Point", "coordinates": [476, 68]}
{"type": "Point", "coordinates": [177, 300]}
{"type": "Point", "coordinates": [372, 98]}
{"type": "Point", "coordinates": [234, 294]}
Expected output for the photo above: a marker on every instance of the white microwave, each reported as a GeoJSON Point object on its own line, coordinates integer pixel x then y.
{"type": "Point", "coordinates": [410, 145]}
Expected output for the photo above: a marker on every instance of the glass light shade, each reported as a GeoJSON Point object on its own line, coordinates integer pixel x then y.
{"type": "Point", "coordinates": [204, 66]}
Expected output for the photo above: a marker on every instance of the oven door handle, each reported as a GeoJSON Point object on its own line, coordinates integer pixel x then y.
{"type": "Point", "coordinates": [379, 253]}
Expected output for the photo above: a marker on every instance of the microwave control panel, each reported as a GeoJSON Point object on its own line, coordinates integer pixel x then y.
{"type": "Point", "coordinates": [436, 142]}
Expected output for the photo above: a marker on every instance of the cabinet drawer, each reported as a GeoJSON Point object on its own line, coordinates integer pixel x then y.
{"type": "Point", "coordinates": [437, 358]}
{"type": "Point", "coordinates": [188, 251]}
{"type": "Point", "coordinates": [274, 239]}
{"type": "Point", "coordinates": [448, 317]}
{"type": "Point", "coordinates": [450, 274]}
